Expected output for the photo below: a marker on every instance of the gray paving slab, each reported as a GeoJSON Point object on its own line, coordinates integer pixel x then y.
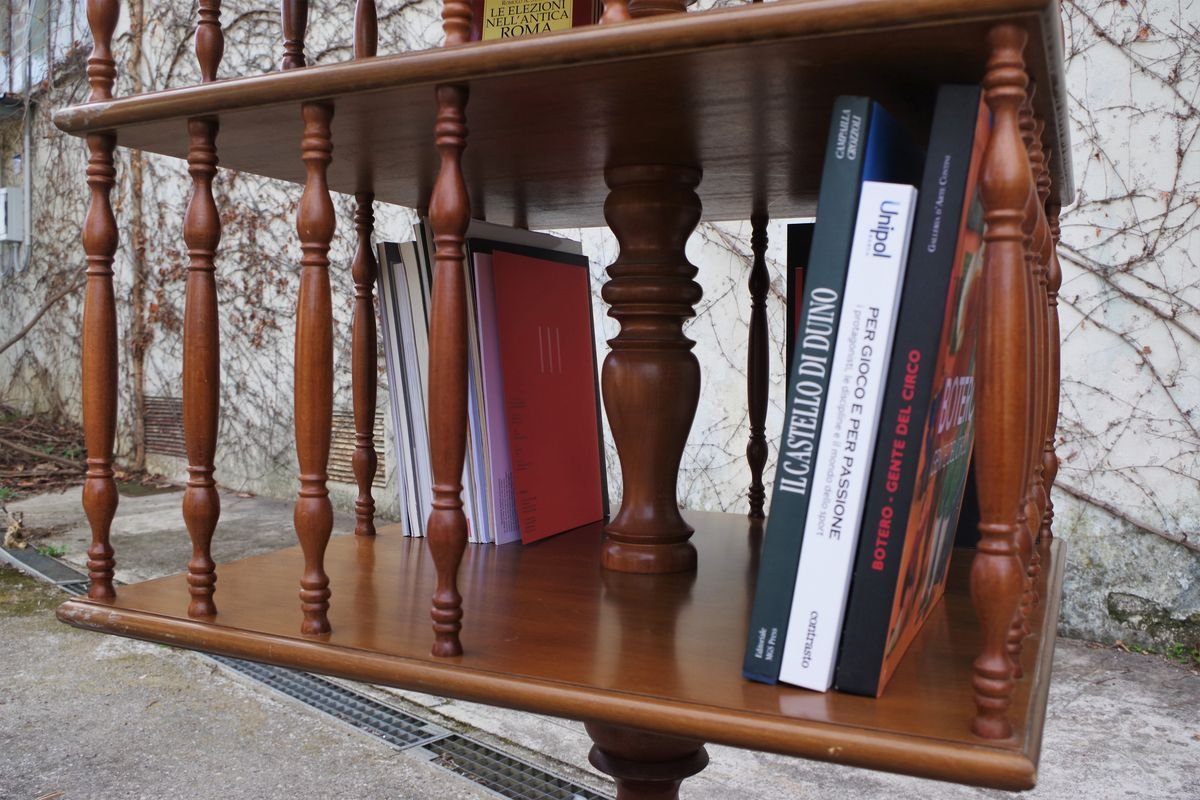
{"type": "Point", "coordinates": [1119, 725]}
{"type": "Point", "coordinates": [86, 717]}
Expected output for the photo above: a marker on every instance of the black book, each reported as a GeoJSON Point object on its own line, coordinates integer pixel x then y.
{"type": "Point", "coordinates": [864, 143]}
{"type": "Point", "coordinates": [942, 262]}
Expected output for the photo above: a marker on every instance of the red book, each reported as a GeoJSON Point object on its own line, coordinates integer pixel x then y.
{"type": "Point", "coordinates": [547, 357]}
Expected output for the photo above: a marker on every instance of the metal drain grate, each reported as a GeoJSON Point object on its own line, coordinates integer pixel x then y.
{"type": "Point", "coordinates": [494, 770]}
{"type": "Point", "coordinates": [503, 774]}
{"type": "Point", "coordinates": [392, 725]}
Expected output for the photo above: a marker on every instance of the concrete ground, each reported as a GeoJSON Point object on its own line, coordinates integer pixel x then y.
{"type": "Point", "coordinates": [89, 716]}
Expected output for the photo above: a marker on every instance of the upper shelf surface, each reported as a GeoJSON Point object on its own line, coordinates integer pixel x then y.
{"type": "Point", "coordinates": [546, 629]}
{"type": "Point", "coordinates": [743, 92]}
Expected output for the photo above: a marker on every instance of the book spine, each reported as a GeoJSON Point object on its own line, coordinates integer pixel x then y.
{"type": "Point", "coordinates": [403, 456]}
{"type": "Point", "coordinates": [847, 442]}
{"type": "Point", "coordinates": [908, 390]}
{"type": "Point", "coordinates": [808, 381]}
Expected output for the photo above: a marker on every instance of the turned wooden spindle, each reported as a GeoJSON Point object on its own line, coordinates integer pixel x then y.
{"type": "Point", "coordinates": [1053, 365]}
{"type": "Point", "coordinates": [456, 22]}
{"type": "Point", "coordinates": [201, 339]}
{"type": "Point", "coordinates": [294, 16]}
{"type": "Point", "coordinates": [449, 214]}
{"type": "Point", "coordinates": [210, 40]}
{"type": "Point", "coordinates": [758, 365]}
{"type": "Point", "coordinates": [654, 8]}
{"type": "Point", "coordinates": [364, 358]}
{"type": "Point", "coordinates": [100, 313]}
{"type": "Point", "coordinates": [364, 353]}
{"type": "Point", "coordinates": [651, 378]}
{"type": "Point", "coordinates": [366, 29]}
{"type": "Point", "coordinates": [1029, 512]}
{"type": "Point", "coordinates": [1041, 309]}
{"type": "Point", "coordinates": [645, 766]}
{"type": "Point", "coordinates": [1002, 406]}
{"type": "Point", "coordinates": [315, 222]}
{"type": "Point", "coordinates": [615, 11]}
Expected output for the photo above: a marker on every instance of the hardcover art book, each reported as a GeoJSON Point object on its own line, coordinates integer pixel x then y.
{"type": "Point", "coordinates": [507, 19]}
{"type": "Point", "coordinates": [534, 465]}
{"type": "Point", "coordinates": [923, 454]}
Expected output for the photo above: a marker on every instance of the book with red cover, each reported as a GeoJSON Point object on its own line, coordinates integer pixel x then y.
{"type": "Point", "coordinates": [923, 451]}
{"type": "Point", "coordinates": [547, 356]}
{"type": "Point", "coordinates": [799, 243]}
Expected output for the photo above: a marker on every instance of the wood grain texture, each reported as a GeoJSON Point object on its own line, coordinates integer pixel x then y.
{"type": "Point", "coordinates": [364, 357]}
{"type": "Point", "coordinates": [449, 214]}
{"type": "Point", "coordinates": [293, 16]}
{"type": "Point", "coordinates": [688, 72]}
{"type": "Point", "coordinates": [580, 658]}
{"type": "Point", "coordinates": [645, 766]}
{"type": "Point", "coordinates": [201, 365]}
{"type": "Point", "coordinates": [1002, 403]}
{"type": "Point", "coordinates": [366, 29]}
{"type": "Point", "coordinates": [315, 222]}
{"type": "Point", "coordinates": [650, 379]}
{"type": "Point", "coordinates": [758, 366]}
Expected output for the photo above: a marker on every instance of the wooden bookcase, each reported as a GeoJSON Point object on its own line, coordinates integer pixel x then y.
{"type": "Point", "coordinates": [636, 626]}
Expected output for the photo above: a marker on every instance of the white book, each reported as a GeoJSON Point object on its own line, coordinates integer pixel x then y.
{"type": "Point", "coordinates": [404, 458]}
{"type": "Point", "coordinates": [861, 356]}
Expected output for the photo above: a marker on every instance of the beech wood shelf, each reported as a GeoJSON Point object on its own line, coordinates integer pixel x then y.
{"type": "Point", "coordinates": [552, 632]}
{"type": "Point", "coordinates": [744, 92]}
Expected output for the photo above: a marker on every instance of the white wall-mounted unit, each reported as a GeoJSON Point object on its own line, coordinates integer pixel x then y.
{"type": "Point", "coordinates": [12, 215]}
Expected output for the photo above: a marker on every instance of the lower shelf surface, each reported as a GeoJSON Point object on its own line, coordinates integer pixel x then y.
{"type": "Point", "coordinates": [547, 630]}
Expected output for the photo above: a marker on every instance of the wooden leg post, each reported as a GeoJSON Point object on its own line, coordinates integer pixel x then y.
{"type": "Point", "coordinates": [651, 379]}
{"type": "Point", "coordinates": [646, 766]}
{"type": "Point", "coordinates": [997, 576]}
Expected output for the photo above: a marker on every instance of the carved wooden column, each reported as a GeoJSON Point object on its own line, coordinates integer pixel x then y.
{"type": "Point", "coordinates": [201, 339]}
{"type": "Point", "coordinates": [315, 223]}
{"type": "Point", "coordinates": [364, 352]}
{"type": "Point", "coordinates": [294, 16]}
{"type": "Point", "coordinates": [646, 766]}
{"type": "Point", "coordinates": [100, 313]}
{"type": "Point", "coordinates": [758, 365]}
{"type": "Point", "coordinates": [1002, 407]}
{"type": "Point", "coordinates": [449, 214]}
{"type": "Point", "coordinates": [651, 379]}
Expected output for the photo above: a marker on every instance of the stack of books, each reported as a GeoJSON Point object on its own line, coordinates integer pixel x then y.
{"type": "Point", "coordinates": [534, 464]}
{"type": "Point", "coordinates": [879, 419]}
